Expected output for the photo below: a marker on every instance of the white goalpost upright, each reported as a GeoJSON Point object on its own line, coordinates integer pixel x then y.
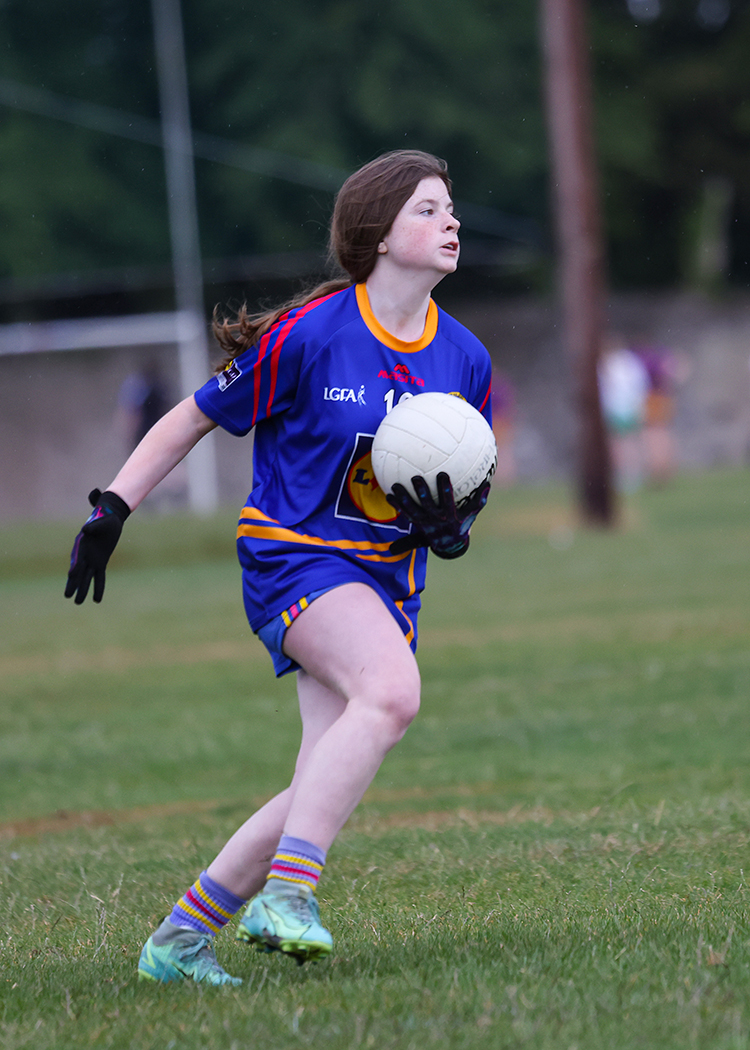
{"type": "Point", "coordinates": [183, 222]}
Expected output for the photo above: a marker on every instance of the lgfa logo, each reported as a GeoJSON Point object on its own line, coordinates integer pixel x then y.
{"type": "Point", "coordinates": [343, 393]}
{"type": "Point", "coordinates": [400, 374]}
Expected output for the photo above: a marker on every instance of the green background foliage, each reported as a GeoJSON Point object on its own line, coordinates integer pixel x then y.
{"type": "Point", "coordinates": [336, 82]}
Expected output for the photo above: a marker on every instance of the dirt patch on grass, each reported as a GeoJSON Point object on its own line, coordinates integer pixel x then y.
{"type": "Point", "coordinates": [66, 820]}
{"type": "Point", "coordinates": [438, 820]}
{"type": "Point", "coordinates": [119, 658]}
{"type": "Point", "coordinates": [362, 821]}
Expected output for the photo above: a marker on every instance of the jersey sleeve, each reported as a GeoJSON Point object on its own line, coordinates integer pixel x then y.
{"type": "Point", "coordinates": [476, 385]}
{"type": "Point", "coordinates": [481, 384]}
{"type": "Point", "coordinates": [259, 383]}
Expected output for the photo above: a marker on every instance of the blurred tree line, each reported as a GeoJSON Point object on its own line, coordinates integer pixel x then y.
{"type": "Point", "coordinates": [324, 85]}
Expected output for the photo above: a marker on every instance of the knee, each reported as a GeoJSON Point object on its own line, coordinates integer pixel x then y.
{"type": "Point", "coordinates": [402, 710]}
{"type": "Point", "coordinates": [395, 703]}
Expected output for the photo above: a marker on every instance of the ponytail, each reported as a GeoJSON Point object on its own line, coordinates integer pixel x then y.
{"type": "Point", "coordinates": [236, 336]}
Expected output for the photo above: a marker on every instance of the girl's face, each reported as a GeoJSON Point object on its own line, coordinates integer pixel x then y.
{"type": "Point", "coordinates": [424, 234]}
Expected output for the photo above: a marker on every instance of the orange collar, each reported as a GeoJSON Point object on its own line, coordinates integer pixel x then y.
{"type": "Point", "coordinates": [384, 336]}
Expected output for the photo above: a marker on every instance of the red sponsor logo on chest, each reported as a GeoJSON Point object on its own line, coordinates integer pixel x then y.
{"type": "Point", "coordinates": [401, 374]}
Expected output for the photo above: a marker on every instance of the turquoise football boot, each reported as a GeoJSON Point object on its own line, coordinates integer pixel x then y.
{"type": "Point", "coordinates": [287, 922]}
{"type": "Point", "coordinates": [174, 953]}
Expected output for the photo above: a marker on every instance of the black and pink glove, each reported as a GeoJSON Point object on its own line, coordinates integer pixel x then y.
{"type": "Point", "coordinates": [94, 545]}
{"type": "Point", "coordinates": [441, 526]}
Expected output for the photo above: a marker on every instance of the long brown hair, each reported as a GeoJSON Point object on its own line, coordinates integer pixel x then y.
{"type": "Point", "coordinates": [365, 208]}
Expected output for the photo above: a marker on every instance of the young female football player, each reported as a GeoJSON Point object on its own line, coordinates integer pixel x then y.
{"type": "Point", "coordinates": [332, 570]}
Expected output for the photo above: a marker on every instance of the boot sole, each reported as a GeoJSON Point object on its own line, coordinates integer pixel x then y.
{"type": "Point", "coordinates": [300, 951]}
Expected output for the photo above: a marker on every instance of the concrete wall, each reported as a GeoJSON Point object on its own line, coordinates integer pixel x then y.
{"type": "Point", "coordinates": [711, 338]}
{"type": "Point", "coordinates": [61, 432]}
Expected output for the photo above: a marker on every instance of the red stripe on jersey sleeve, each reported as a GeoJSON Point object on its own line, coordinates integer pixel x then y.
{"type": "Point", "coordinates": [276, 352]}
{"type": "Point", "coordinates": [275, 355]}
{"type": "Point", "coordinates": [262, 347]}
{"type": "Point", "coordinates": [278, 332]}
{"type": "Point", "coordinates": [486, 397]}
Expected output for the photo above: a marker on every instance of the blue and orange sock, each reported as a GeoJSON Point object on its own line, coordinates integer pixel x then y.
{"type": "Point", "coordinates": [297, 863]}
{"type": "Point", "coordinates": [207, 906]}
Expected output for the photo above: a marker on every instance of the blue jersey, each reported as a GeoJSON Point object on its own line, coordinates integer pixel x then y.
{"type": "Point", "coordinates": [315, 387]}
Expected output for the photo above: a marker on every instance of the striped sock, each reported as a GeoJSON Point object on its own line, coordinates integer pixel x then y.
{"type": "Point", "coordinates": [297, 862]}
{"type": "Point", "coordinates": [207, 906]}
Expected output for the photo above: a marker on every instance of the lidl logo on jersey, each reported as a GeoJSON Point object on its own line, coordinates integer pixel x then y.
{"type": "Point", "coordinates": [228, 376]}
{"type": "Point", "coordinates": [360, 496]}
{"type": "Point", "coordinates": [344, 393]}
{"type": "Point", "coordinates": [400, 374]}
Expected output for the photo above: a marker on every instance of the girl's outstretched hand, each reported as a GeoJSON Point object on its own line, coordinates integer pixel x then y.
{"type": "Point", "coordinates": [94, 545]}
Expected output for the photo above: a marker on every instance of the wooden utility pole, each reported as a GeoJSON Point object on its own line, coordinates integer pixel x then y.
{"type": "Point", "coordinates": [580, 242]}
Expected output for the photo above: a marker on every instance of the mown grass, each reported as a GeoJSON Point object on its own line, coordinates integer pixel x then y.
{"type": "Point", "coordinates": [554, 857]}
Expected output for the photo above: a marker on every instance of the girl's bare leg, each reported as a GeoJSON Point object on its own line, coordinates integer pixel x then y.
{"type": "Point", "coordinates": [358, 694]}
{"type": "Point", "coordinates": [349, 645]}
{"type": "Point", "coordinates": [244, 862]}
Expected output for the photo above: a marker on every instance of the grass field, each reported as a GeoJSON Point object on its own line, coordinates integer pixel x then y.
{"type": "Point", "coordinates": [554, 857]}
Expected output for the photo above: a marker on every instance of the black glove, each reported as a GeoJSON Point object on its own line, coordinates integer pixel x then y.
{"type": "Point", "coordinates": [441, 526]}
{"type": "Point", "coordinates": [94, 545]}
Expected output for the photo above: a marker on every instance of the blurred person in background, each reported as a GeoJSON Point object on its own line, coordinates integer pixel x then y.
{"type": "Point", "coordinates": [142, 401]}
{"type": "Point", "coordinates": [664, 370]}
{"type": "Point", "coordinates": [144, 397]}
{"type": "Point", "coordinates": [503, 426]}
{"type": "Point", "coordinates": [623, 388]}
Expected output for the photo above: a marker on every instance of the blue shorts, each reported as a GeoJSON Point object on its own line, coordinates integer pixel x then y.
{"type": "Point", "coordinates": [274, 575]}
{"type": "Point", "coordinates": [272, 634]}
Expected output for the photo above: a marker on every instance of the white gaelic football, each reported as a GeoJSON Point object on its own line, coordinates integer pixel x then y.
{"type": "Point", "coordinates": [430, 433]}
